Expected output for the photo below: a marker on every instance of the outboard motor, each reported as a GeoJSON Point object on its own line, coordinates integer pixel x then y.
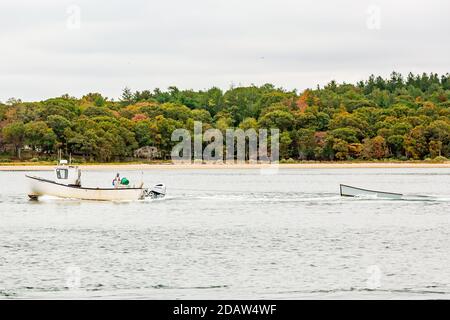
{"type": "Point", "coordinates": [158, 191]}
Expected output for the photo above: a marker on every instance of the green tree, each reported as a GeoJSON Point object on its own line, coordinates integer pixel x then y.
{"type": "Point", "coordinates": [285, 143]}
{"type": "Point", "coordinates": [306, 143]}
{"type": "Point", "coordinates": [14, 133]}
{"type": "Point", "coordinates": [281, 120]}
{"type": "Point", "coordinates": [396, 146]}
{"type": "Point", "coordinates": [341, 149]}
{"type": "Point", "coordinates": [39, 136]}
{"type": "Point", "coordinates": [58, 124]}
{"type": "Point", "coordinates": [248, 123]}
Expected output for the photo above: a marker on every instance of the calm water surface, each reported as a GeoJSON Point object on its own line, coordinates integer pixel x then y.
{"type": "Point", "coordinates": [231, 234]}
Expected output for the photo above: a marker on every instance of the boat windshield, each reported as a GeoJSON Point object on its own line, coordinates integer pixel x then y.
{"type": "Point", "coordinates": [62, 173]}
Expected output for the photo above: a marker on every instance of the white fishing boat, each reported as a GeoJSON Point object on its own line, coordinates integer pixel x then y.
{"type": "Point", "coordinates": [67, 184]}
{"type": "Point", "coordinates": [349, 191]}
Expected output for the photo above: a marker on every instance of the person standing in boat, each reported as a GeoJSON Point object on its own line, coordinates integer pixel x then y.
{"type": "Point", "coordinates": [117, 181]}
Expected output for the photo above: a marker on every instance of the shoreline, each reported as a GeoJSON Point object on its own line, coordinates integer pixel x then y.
{"type": "Point", "coordinates": [170, 166]}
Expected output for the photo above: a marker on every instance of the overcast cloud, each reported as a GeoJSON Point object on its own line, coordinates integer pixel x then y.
{"type": "Point", "coordinates": [46, 51]}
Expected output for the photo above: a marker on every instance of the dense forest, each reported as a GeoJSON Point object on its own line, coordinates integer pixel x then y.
{"type": "Point", "coordinates": [402, 118]}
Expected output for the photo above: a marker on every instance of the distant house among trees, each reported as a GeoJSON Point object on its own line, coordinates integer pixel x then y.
{"type": "Point", "coordinates": [147, 152]}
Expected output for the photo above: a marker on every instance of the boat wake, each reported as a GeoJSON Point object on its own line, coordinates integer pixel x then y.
{"type": "Point", "coordinates": [266, 197]}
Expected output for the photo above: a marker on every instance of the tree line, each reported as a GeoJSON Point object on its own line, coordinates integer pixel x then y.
{"type": "Point", "coordinates": [399, 117]}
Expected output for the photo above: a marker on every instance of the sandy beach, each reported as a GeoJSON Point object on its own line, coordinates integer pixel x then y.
{"type": "Point", "coordinates": [168, 166]}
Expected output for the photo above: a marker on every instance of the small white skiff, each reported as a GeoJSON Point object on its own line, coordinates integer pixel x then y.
{"type": "Point", "coordinates": [68, 185]}
{"type": "Point", "coordinates": [349, 191]}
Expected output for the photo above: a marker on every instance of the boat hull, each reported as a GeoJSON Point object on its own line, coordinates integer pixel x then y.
{"type": "Point", "coordinates": [40, 187]}
{"type": "Point", "coordinates": [349, 191]}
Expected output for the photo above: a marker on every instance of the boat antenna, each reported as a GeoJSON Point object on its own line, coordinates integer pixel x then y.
{"type": "Point", "coordinates": [70, 158]}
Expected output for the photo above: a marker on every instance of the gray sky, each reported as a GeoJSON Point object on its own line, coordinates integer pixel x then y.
{"type": "Point", "coordinates": [49, 48]}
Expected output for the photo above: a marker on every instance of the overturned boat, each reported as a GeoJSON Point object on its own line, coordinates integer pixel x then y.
{"type": "Point", "coordinates": [349, 191]}
{"type": "Point", "coordinates": [67, 184]}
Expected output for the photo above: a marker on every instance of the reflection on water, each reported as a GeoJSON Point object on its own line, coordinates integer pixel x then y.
{"type": "Point", "coordinates": [231, 234]}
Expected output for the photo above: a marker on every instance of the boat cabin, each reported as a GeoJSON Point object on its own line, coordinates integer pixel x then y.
{"type": "Point", "coordinates": [67, 174]}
